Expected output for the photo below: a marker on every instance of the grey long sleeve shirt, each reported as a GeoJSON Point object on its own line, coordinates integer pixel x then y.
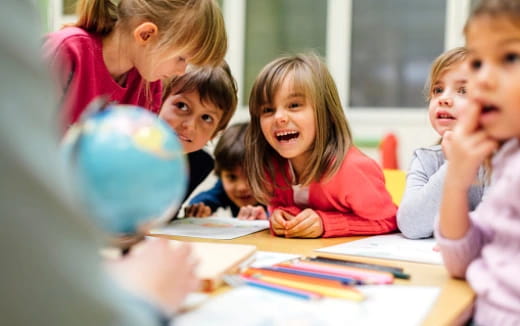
{"type": "Point", "coordinates": [422, 197]}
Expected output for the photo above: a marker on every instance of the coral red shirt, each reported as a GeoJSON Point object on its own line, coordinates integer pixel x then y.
{"type": "Point", "coordinates": [76, 60]}
{"type": "Point", "coordinates": [354, 201]}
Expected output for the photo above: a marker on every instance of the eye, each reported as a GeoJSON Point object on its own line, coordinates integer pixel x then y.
{"type": "Point", "coordinates": [437, 90]}
{"type": "Point", "coordinates": [511, 57]}
{"type": "Point", "coordinates": [267, 110]}
{"type": "Point", "coordinates": [294, 105]}
{"type": "Point", "coordinates": [462, 90]}
{"type": "Point", "coordinates": [181, 106]}
{"type": "Point", "coordinates": [207, 118]}
{"type": "Point", "coordinates": [181, 59]}
{"type": "Point", "coordinates": [475, 64]}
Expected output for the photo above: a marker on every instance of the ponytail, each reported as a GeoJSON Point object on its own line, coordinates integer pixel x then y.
{"type": "Point", "coordinates": [96, 16]}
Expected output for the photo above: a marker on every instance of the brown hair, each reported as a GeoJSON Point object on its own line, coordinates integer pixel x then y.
{"type": "Point", "coordinates": [215, 85]}
{"type": "Point", "coordinates": [196, 26]}
{"type": "Point", "coordinates": [509, 9]}
{"type": "Point", "coordinates": [505, 8]}
{"type": "Point", "coordinates": [443, 62]}
{"type": "Point", "coordinates": [230, 150]}
{"type": "Point", "coordinates": [310, 76]}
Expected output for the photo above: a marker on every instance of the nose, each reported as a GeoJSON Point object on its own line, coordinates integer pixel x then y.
{"type": "Point", "coordinates": [188, 123]}
{"type": "Point", "coordinates": [242, 186]}
{"type": "Point", "coordinates": [486, 77]}
{"type": "Point", "coordinates": [445, 101]}
{"type": "Point", "coordinates": [281, 116]}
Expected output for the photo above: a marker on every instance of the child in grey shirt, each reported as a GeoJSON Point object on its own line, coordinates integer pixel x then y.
{"type": "Point", "coordinates": [446, 95]}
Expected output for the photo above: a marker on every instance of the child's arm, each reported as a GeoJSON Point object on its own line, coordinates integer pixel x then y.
{"type": "Point", "coordinates": [207, 202]}
{"type": "Point", "coordinates": [466, 148]}
{"type": "Point", "coordinates": [170, 273]}
{"type": "Point", "coordinates": [422, 197]}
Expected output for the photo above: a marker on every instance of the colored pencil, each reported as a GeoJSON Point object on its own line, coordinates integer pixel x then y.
{"type": "Point", "coordinates": [279, 288]}
{"type": "Point", "coordinates": [364, 275]}
{"type": "Point", "coordinates": [396, 271]}
{"type": "Point", "coordinates": [254, 272]}
{"type": "Point", "coordinates": [343, 293]}
{"type": "Point", "coordinates": [296, 271]}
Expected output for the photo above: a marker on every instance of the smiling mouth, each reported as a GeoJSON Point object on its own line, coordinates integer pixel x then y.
{"type": "Point", "coordinates": [287, 136]}
{"type": "Point", "coordinates": [444, 115]}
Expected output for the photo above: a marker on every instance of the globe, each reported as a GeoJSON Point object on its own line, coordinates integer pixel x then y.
{"type": "Point", "coordinates": [128, 166]}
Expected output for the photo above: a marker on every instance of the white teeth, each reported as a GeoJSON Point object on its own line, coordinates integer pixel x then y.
{"type": "Point", "coordinates": [284, 133]}
{"type": "Point", "coordinates": [445, 116]}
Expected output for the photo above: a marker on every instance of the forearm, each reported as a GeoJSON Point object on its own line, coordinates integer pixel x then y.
{"type": "Point", "coordinates": [454, 213]}
{"type": "Point", "coordinates": [420, 205]}
{"type": "Point", "coordinates": [337, 224]}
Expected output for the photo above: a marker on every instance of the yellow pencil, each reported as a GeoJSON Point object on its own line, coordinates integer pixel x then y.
{"type": "Point", "coordinates": [343, 293]}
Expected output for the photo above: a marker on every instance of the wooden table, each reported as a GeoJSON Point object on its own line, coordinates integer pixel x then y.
{"type": "Point", "coordinates": [452, 307]}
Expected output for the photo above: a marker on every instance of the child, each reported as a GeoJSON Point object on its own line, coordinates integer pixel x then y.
{"type": "Point", "coordinates": [484, 245]}
{"type": "Point", "coordinates": [301, 161]}
{"type": "Point", "coordinates": [232, 189]}
{"type": "Point", "coordinates": [57, 277]}
{"type": "Point", "coordinates": [197, 105]}
{"type": "Point", "coordinates": [122, 52]}
{"type": "Point", "coordinates": [446, 95]}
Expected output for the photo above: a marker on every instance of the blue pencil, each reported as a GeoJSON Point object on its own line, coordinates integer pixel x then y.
{"type": "Point", "coordinates": [343, 280]}
{"type": "Point", "coordinates": [281, 289]}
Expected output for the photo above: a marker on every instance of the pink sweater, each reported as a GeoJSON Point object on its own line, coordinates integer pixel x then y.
{"type": "Point", "coordinates": [76, 60]}
{"type": "Point", "coordinates": [354, 201]}
{"type": "Point", "coordinates": [489, 254]}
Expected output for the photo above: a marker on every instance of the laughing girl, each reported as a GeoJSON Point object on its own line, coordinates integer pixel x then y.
{"type": "Point", "coordinates": [300, 159]}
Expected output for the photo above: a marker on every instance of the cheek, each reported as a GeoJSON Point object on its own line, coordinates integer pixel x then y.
{"type": "Point", "coordinates": [265, 127]}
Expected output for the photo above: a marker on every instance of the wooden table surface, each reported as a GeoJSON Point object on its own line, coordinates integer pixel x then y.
{"type": "Point", "coordinates": [452, 306]}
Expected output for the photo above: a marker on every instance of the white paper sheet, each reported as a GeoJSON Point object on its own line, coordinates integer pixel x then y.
{"type": "Point", "coordinates": [248, 306]}
{"type": "Point", "coordinates": [224, 228]}
{"type": "Point", "coordinates": [268, 258]}
{"type": "Point", "coordinates": [390, 246]}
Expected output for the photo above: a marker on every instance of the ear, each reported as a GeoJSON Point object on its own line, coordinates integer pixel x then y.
{"type": "Point", "coordinates": [145, 32]}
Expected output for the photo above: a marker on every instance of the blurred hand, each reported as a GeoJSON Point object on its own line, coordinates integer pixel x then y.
{"type": "Point", "coordinates": [158, 272]}
{"type": "Point", "coordinates": [446, 142]}
{"type": "Point", "coordinates": [307, 224]}
{"type": "Point", "coordinates": [250, 212]}
{"type": "Point", "coordinates": [278, 221]}
{"type": "Point", "coordinates": [466, 148]}
{"type": "Point", "coordinates": [197, 210]}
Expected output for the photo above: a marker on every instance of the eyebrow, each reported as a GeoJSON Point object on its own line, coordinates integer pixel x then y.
{"type": "Point", "coordinates": [510, 40]}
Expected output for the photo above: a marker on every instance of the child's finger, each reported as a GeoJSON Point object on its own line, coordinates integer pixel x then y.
{"type": "Point", "coordinates": [468, 119]}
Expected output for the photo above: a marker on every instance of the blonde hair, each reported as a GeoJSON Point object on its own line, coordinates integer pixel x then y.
{"type": "Point", "coordinates": [442, 63]}
{"type": "Point", "coordinates": [196, 26]}
{"type": "Point", "coordinates": [215, 85]}
{"type": "Point", "coordinates": [310, 76]}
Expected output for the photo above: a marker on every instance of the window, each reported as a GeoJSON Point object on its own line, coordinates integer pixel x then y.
{"type": "Point", "coordinates": [393, 45]}
{"type": "Point", "coordinates": [280, 27]}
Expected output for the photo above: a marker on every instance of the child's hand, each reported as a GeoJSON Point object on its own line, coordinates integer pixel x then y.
{"type": "Point", "coordinates": [278, 221]}
{"type": "Point", "coordinates": [466, 148]}
{"type": "Point", "coordinates": [197, 210]}
{"type": "Point", "coordinates": [307, 224]}
{"type": "Point", "coordinates": [250, 212]}
{"type": "Point", "coordinates": [158, 272]}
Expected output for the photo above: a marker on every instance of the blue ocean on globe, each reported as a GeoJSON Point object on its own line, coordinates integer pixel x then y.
{"type": "Point", "coordinates": [129, 168]}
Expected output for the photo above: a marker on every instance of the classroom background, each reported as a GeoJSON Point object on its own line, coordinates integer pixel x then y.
{"type": "Point", "coordinates": [378, 51]}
